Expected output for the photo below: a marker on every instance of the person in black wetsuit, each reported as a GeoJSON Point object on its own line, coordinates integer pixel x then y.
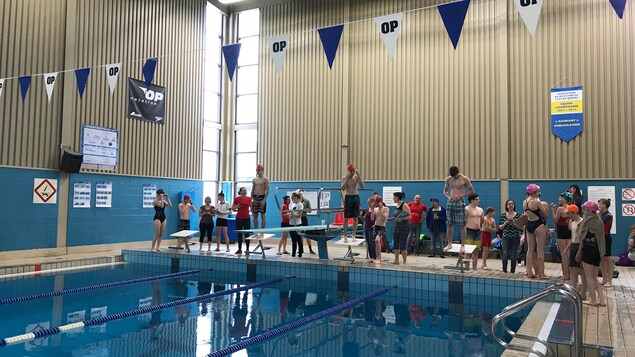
{"type": "Point", "coordinates": [159, 218]}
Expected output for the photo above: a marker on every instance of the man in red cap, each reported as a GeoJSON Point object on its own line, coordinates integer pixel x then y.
{"type": "Point", "coordinates": [259, 194]}
{"type": "Point", "coordinates": [185, 207]}
{"type": "Point", "coordinates": [350, 181]}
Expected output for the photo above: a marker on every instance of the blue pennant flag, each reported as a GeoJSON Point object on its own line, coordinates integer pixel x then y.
{"type": "Point", "coordinates": [567, 112]}
{"type": "Point", "coordinates": [453, 16]}
{"type": "Point", "coordinates": [231, 52]}
{"type": "Point", "coordinates": [618, 6]}
{"type": "Point", "coordinates": [330, 37]}
{"type": "Point", "coordinates": [25, 82]}
{"type": "Point", "coordinates": [148, 70]}
{"type": "Point", "coordinates": [82, 77]}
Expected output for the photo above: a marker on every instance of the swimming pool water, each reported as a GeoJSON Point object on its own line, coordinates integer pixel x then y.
{"type": "Point", "coordinates": [419, 323]}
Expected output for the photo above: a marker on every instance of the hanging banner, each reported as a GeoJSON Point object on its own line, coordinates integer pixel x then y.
{"type": "Point", "coordinates": [389, 27]}
{"type": "Point", "coordinates": [146, 102]}
{"type": "Point", "coordinates": [81, 194]}
{"type": "Point", "coordinates": [25, 82]}
{"type": "Point", "coordinates": [453, 16]}
{"type": "Point", "coordinates": [82, 77]}
{"type": "Point", "coordinates": [330, 37]}
{"type": "Point", "coordinates": [618, 6]}
{"type": "Point", "coordinates": [231, 52]}
{"type": "Point", "coordinates": [566, 112]}
{"type": "Point", "coordinates": [149, 194]}
{"type": "Point", "coordinates": [103, 194]}
{"type": "Point", "coordinates": [148, 70]}
{"type": "Point", "coordinates": [112, 74]}
{"type": "Point", "coordinates": [49, 83]}
{"type": "Point", "coordinates": [278, 49]}
{"type": "Point", "coordinates": [530, 13]}
{"type": "Point", "coordinates": [1, 86]}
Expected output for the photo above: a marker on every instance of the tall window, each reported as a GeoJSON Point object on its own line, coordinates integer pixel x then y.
{"type": "Point", "coordinates": [247, 98]}
{"type": "Point", "coordinates": [212, 100]}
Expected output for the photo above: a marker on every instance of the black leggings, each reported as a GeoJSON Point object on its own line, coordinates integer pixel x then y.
{"type": "Point", "coordinates": [296, 244]}
{"type": "Point", "coordinates": [242, 223]}
{"type": "Point", "coordinates": [205, 229]}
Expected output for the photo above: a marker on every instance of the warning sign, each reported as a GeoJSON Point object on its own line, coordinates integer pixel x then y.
{"type": "Point", "coordinates": [628, 194]}
{"type": "Point", "coordinates": [628, 210]}
{"type": "Point", "coordinates": [45, 191]}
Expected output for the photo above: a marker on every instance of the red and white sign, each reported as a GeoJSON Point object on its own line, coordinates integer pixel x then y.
{"type": "Point", "coordinates": [45, 191]}
{"type": "Point", "coordinates": [628, 194]}
{"type": "Point", "coordinates": [628, 210]}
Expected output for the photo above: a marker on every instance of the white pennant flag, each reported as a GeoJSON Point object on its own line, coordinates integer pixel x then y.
{"type": "Point", "coordinates": [278, 49]}
{"type": "Point", "coordinates": [1, 86]}
{"type": "Point", "coordinates": [530, 12]}
{"type": "Point", "coordinates": [49, 83]}
{"type": "Point", "coordinates": [389, 27]}
{"type": "Point", "coordinates": [112, 73]}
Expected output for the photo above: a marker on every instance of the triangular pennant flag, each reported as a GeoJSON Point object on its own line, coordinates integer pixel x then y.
{"type": "Point", "coordinates": [25, 82]}
{"type": "Point", "coordinates": [81, 75]}
{"type": "Point", "coordinates": [389, 27]}
{"type": "Point", "coordinates": [231, 52]}
{"type": "Point", "coordinates": [148, 70]}
{"type": "Point", "coordinates": [49, 83]}
{"type": "Point", "coordinates": [330, 37]}
{"type": "Point", "coordinates": [618, 6]}
{"type": "Point", "coordinates": [453, 16]}
{"type": "Point", "coordinates": [112, 73]}
{"type": "Point", "coordinates": [1, 86]}
{"type": "Point", "coordinates": [278, 48]}
{"type": "Point", "coordinates": [530, 12]}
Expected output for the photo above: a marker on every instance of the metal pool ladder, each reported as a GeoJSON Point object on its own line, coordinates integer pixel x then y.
{"type": "Point", "coordinates": [558, 289]}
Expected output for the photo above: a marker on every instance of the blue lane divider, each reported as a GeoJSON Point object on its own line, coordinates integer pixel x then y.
{"type": "Point", "coordinates": [95, 287]}
{"type": "Point", "coordinates": [294, 325]}
{"type": "Point", "coordinates": [144, 310]}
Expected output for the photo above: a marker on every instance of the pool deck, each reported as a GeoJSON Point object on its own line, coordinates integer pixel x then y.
{"type": "Point", "coordinates": [617, 317]}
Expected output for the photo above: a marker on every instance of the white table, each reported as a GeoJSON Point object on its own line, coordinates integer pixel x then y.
{"type": "Point", "coordinates": [349, 256]}
{"type": "Point", "coordinates": [456, 248]}
{"type": "Point", "coordinates": [259, 238]}
{"type": "Point", "coordinates": [181, 236]}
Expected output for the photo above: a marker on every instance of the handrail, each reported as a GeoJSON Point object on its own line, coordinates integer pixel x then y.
{"type": "Point", "coordinates": [558, 289]}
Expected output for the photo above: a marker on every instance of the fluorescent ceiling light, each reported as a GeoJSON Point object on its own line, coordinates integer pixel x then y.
{"type": "Point", "coordinates": [229, 1]}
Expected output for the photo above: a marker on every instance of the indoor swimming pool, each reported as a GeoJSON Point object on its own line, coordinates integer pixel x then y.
{"type": "Point", "coordinates": [404, 321]}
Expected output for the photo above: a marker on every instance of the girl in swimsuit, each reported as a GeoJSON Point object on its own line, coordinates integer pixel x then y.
{"type": "Point", "coordinates": [159, 218]}
{"type": "Point", "coordinates": [563, 233]}
{"type": "Point", "coordinates": [536, 233]}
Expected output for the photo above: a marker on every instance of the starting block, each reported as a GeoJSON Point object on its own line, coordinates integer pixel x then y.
{"type": "Point", "coordinates": [182, 236]}
{"type": "Point", "coordinates": [259, 240]}
{"type": "Point", "coordinates": [349, 256]}
{"type": "Point", "coordinates": [456, 248]}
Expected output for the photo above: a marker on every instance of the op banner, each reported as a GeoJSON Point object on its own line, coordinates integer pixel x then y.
{"type": "Point", "coordinates": [278, 49]}
{"type": "Point", "coordinates": [529, 10]}
{"type": "Point", "coordinates": [146, 102]}
{"type": "Point", "coordinates": [566, 112]}
{"type": "Point", "coordinates": [389, 27]}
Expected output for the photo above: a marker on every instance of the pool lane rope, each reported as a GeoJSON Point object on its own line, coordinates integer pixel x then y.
{"type": "Point", "coordinates": [294, 325]}
{"type": "Point", "coordinates": [95, 287]}
{"type": "Point", "coordinates": [122, 315]}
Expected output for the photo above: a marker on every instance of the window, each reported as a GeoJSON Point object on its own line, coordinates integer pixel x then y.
{"type": "Point", "coordinates": [211, 100]}
{"type": "Point", "coordinates": [246, 132]}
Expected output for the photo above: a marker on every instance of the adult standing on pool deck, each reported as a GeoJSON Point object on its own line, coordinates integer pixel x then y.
{"type": "Point", "coordinates": [305, 220]}
{"type": "Point", "coordinates": [222, 210]}
{"type": "Point", "coordinates": [259, 194]}
{"type": "Point", "coordinates": [401, 217]}
{"type": "Point", "coordinates": [456, 183]}
{"type": "Point", "coordinates": [351, 198]}
{"type": "Point", "coordinates": [607, 261]}
{"type": "Point", "coordinates": [159, 218]}
{"type": "Point", "coordinates": [241, 205]}
{"type": "Point", "coordinates": [536, 235]}
{"type": "Point", "coordinates": [417, 209]}
{"type": "Point", "coordinates": [578, 199]}
{"type": "Point", "coordinates": [206, 225]}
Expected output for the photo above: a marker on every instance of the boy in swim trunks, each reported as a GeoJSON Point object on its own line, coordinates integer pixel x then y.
{"type": "Point", "coordinates": [455, 185]}
{"type": "Point", "coordinates": [350, 181]}
{"type": "Point", "coordinates": [474, 218]}
{"type": "Point", "coordinates": [259, 194]}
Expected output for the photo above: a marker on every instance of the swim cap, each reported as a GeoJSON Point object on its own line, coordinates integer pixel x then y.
{"type": "Point", "coordinates": [567, 196]}
{"type": "Point", "coordinates": [378, 199]}
{"type": "Point", "coordinates": [260, 167]}
{"type": "Point", "coordinates": [186, 197]}
{"type": "Point", "coordinates": [572, 208]}
{"type": "Point", "coordinates": [351, 167]}
{"type": "Point", "coordinates": [532, 188]}
{"type": "Point", "coordinates": [590, 205]}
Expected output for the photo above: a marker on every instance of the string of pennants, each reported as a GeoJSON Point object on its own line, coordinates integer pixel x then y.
{"type": "Point", "coordinates": [389, 26]}
{"type": "Point", "coordinates": [81, 76]}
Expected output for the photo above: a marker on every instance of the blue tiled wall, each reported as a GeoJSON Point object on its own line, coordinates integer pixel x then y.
{"type": "Point", "coordinates": [25, 225]}
{"type": "Point", "coordinates": [551, 189]}
{"type": "Point", "coordinates": [126, 221]}
{"type": "Point", "coordinates": [489, 192]}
